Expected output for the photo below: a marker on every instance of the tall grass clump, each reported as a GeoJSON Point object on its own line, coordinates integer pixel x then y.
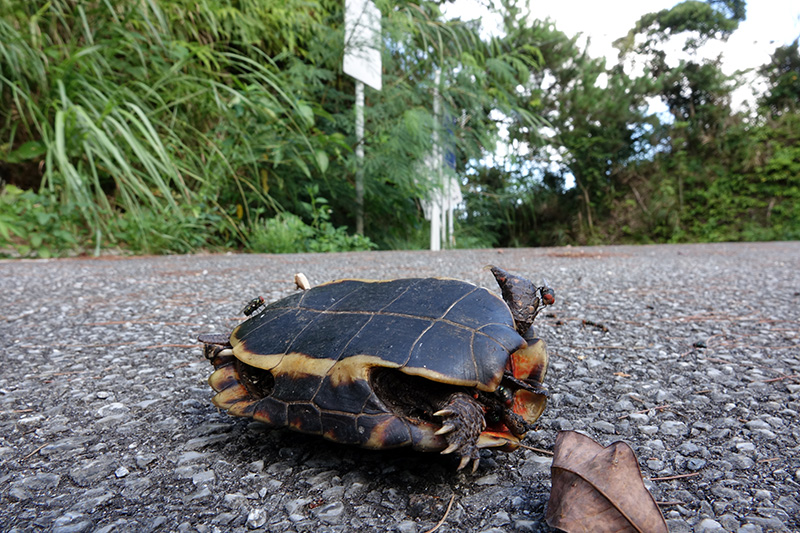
{"type": "Point", "coordinates": [152, 127]}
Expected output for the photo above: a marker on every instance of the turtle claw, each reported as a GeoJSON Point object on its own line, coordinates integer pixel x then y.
{"type": "Point", "coordinates": [450, 449]}
{"type": "Point", "coordinates": [465, 459]}
{"type": "Point", "coordinates": [444, 412]}
{"type": "Point", "coordinates": [447, 428]}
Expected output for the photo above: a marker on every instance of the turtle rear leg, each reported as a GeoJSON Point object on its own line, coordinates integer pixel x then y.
{"type": "Point", "coordinates": [463, 423]}
{"type": "Point", "coordinates": [213, 344]}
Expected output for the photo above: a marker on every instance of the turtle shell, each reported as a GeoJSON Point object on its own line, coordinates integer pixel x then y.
{"type": "Point", "coordinates": [359, 361]}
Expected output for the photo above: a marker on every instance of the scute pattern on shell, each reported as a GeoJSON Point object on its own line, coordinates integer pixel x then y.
{"type": "Point", "coordinates": [369, 426]}
{"type": "Point", "coordinates": [449, 330]}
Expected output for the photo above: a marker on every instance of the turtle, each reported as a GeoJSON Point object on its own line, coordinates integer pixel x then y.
{"type": "Point", "coordinates": [437, 364]}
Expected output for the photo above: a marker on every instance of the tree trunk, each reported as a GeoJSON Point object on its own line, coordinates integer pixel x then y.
{"type": "Point", "coordinates": [588, 206]}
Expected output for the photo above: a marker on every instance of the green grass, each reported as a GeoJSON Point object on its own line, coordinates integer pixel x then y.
{"type": "Point", "coordinates": [135, 125]}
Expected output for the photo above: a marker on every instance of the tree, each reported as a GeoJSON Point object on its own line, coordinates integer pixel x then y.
{"type": "Point", "coordinates": [697, 95]}
{"type": "Point", "coordinates": [694, 21]}
{"type": "Point", "coordinates": [594, 117]}
{"type": "Point", "coordinates": [783, 80]}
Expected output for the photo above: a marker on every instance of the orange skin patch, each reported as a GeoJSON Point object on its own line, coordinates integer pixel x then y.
{"type": "Point", "coordinates": [497, 438]}
{"type": "Point", "coordinates": [530, 362]}
{"type": "Point", "coordinates": [391, 429]}
{"type": "Point", "coordinates": [224, 377]}
{"type": "Point", "coordinates": [227, 398]}
{"type": "Point", "coordinates": [529, 405]}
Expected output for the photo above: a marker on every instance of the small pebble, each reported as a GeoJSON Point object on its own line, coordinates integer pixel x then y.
{"type": "Point", "coordinates": [707, 525]}
{"type": "Point", "coordinates": [674, 428]}
{"type": "Point", "coordinates": [330, 513]}
{"type": "Point", "coordinates": [256, 518]}
{"type": "Point", "coordinates": [204, 477]}
{"type": "Point", "coordinates": [406, 526]}
{"type": "Point", "coordinates": [695, 464]}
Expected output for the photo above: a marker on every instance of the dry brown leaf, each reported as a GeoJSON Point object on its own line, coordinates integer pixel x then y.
{"type": "Point", "coordinates": [599, 490]}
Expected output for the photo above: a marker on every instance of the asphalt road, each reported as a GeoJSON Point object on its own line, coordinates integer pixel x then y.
{"type": "Point", "coordinates": [690, 353]}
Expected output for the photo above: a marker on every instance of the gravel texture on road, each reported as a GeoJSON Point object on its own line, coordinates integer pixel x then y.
{"type": "Point", "coordinates": [690, 353]}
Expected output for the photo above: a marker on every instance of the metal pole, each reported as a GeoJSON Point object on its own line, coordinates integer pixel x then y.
{"type": "Point", "coordinates": [359, 157]}
{"type": "Point", "coordinates": [451, 236]}
{"type": "Point", "coordinates": [436, 220]}
{"type": "Point", "coordinates": [437, 194]}
{"type": "Point", "coordinates": [451, 227]}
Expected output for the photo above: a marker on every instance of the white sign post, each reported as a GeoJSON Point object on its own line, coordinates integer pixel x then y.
{"type": "Point", "coordinates": [445, 193]}
{"type": "Point", "coordinates": [362, 60]}
{"type": "Point", "coordinates": [437, 213]}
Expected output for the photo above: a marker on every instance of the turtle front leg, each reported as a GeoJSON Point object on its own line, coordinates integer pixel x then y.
{"type": "Point", "coordinates": [463, 424]}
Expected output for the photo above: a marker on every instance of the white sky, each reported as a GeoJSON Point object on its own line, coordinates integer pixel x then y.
{"type": "Point", "coordinates": [769, 24]}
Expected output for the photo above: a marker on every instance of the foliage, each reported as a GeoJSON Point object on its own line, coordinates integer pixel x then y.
{"type": "Point", "coordinates": [711, 180]}
{"type": "Point", "coordinates": [782, 74]}
{"type": "Point", "coordinates": [596, 126]}
{"type": "Point", "coordinates": [33, 225]}
{"type": "Point", "coordinates": [126, 114]}
{"type": "Point", "coordinates": [145, 115]}
{"type": "Point", "coordinates": [698, 21]}
{"type": "Point", "coordinates": [704, 173]}
{"type": "Point", "coordinates": [171, 126]}
{"type": "Point", "coordinates": [37, 225]}
{"type": "Point", "coordinates": [287, 233]}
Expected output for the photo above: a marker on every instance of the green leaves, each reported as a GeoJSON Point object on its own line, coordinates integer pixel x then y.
{"type": "Point", "coordinates": [139, 112]}
{"type": "Point", "coordinates": [783, 77]}
{"type": "Point", "coordinates": [172, 125]}
{"type": "Point", "coordinates": [287, 233]}
{"type": "Point", "coordinates": [322, 161]}
{"type": "Point", "coordinates": [696, 21]}
{"type": "Point", "coordinates": [26, 151]}
{"type": "Point", "coordinates": [36, 226]}
{"type": "Point", "coordinates": [130, 124]}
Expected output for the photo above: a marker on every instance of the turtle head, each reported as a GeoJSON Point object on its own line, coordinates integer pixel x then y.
{"type": "Point", "coordinates": [523, 298]}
